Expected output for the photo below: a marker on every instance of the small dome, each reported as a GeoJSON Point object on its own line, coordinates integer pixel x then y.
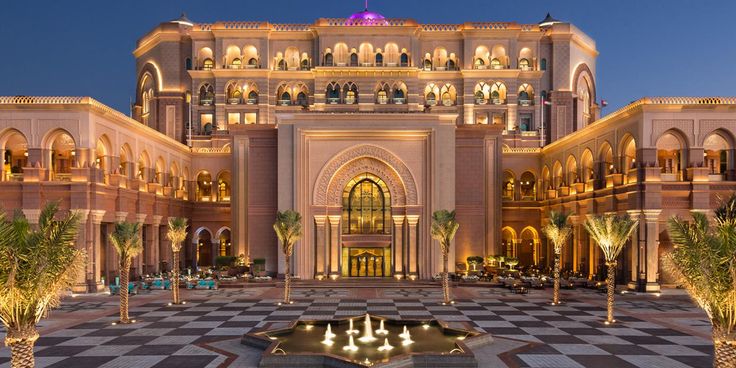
{"type": "Point", "coordinates": [548, 21]}
{"type": "Point", "coordinates": [183, 20]}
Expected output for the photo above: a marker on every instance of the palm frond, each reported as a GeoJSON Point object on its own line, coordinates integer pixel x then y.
{"type": "Point", "coordinates": [558, 230]}
{"type": "Point", "coordinates": [288, 228]}
{"type": "Point", "coordinates": [126, 239]}
{"type": "Point", "coordinates": [36, 265]}
{"type": "Point", "coordinates": [443, 228]}
{"type": "Point", "coordinates": [610, 232]}
{"type": "Point", "coordinates": [177, 232]}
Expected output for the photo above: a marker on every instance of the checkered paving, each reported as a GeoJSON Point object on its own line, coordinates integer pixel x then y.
{"type": "Point", "coordinates": [570, 335]}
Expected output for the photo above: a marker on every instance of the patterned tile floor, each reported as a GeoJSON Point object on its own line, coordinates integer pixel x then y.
{"type": "Point", "coordinates": [668, 331]}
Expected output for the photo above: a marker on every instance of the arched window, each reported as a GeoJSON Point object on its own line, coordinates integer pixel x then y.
{"type": "Point", "coordinates": [252, 97]}
{"type": "Point", "coordinates": [188, 63]}
{"type": "Point", "coordinates": [350, 91]}
{"type": "Point", "coordinates": [498, 93]}
{"type": "Point", "coordinates": [301, 99]}
{"type": "Point", "coordinates": [670, 148]}
{"type": "Point", "coordinates": [451, 65]}
{"type": "Point", "coordinates": [253, 63]}
{"type": "Point", "coordinates": [524, 64]}
{"type": "Point", "coordinates": [366, 206]}
{"type": "Point", "coordinates": [204, 187]}
{"type": "Point", "coordinates": [236, 63]}
{"type": "Point", "coordinates": [716, 155]}
{"type": "Point", "coordinates": [305, 64]}
{"type": "Point", "coordinates": [404, 59]}
{"type": "Point", "coordinates": [526, 95]}
{"type": "Point", "coordinates": [482, 93]}
{"type": "Point", "coordinates": [496, 64]}
{"type": "Point", "coordinates": [528, 186]}
{"type": "Point", "coordinates": [206, 95]}
{"type": "Point", "coordinates": [282, 65]}
{"type": "Point", "coordinates": [448, 95]}
{"type": "Point", "coordinates": [333, 93]}
{"type": "Point", "coordinates": [399, 94]}
{"type": "Point", "coordinates": [224, 242]}
{"type": "Point", "coordinates": [353, 59]}
{"type": "Point", "coordinates": [379, 59]}
{"type": "Point", "coordinates": [479, 63]}
{"type": "Point", "coordinates": [329, 61]}
{"type": "Point", "coordinates": [430, 94]}
{"type": "Point", "coordinates": [427, 64]}
{"type": "Point", "coordinates": [508, 185]}
{"type": "Point", "coordinates": [543, 64]}
{"type": "Point", "coordinates": [382, 94]}
{"type": "Point", "coordinates": [16, 156]}
{"type": "Point", "coordinates": [223, 187]}
{"type": "Point", "coordinates": [285, 99]}
{"type": "Point", "coordinates": [208, 64]}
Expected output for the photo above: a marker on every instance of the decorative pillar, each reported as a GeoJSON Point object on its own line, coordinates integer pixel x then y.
{"type": "Point", "coordinates": [412, 245]}
{"type": "Point", "coordinates": [140, 218]}
{"type": "Point", "coordinates": [155, 241]}
{"type": "Point", "coordinates": [334, 245]}
{"type": "Point", "coordinates": [576, 244]}
{"type": "Point", "coordinates": [651, 231]}
{"type": "Point", "coordinates": [322, 254]}
{"type": "Point", "coordinates": [84, 243]}
{"type": "Point", "coordinates": [398, 253]}
{"type": "Point", "coordinates": [95, 257]}
{"type": "Point", "coordinates": [636, 250]}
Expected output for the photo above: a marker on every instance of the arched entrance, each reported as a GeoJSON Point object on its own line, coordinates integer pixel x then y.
{"type": "Point", "coordinates": [366, 227]}
{"type": "Point", "coordinates": [203, 242]}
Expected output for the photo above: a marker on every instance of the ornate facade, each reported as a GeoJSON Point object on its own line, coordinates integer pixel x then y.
{"type": "Point", "coordinates": [366, 125]}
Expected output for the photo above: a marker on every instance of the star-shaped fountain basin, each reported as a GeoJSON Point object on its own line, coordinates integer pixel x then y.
{"type": "Point", "coordinates": [411, 343]}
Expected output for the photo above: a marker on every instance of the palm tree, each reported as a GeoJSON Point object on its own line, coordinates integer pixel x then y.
{"type": "Point", "coordinates": [443, 230]}
{"type": "Point", "coordinates": [512, 262]}
{"type": "Point", "coordinates": [610, 232]}
{"type": "Point", "coordinates": [288, 228]}
{"type": "Point", "coordinates": [36, 265]}
{"type": "Point", "coordinates": [176, 234]}
{"type": "Point", "coordinates": [704, 260]}
{"type": "Point", "coordinates": [126, 239]}
{"type": "Point", "coordinates": [558, 230]}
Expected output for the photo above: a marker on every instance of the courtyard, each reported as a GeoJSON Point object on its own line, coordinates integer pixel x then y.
{"type": "Point", "coordinates": [654, 330]}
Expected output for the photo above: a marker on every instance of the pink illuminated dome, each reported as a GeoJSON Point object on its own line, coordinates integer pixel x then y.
{"type": "Point", "coordinates": [367, 16]}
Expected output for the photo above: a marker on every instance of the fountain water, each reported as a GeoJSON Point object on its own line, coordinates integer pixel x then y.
{"type": "Point", "coordinates": [407, 337]}
{"type": "Point", "coordinates": [351, 345]}
{"type": "Point", "coordinates": [381, 330]}
{"type": "Point", "coordinates": [367, 330]}
{"type": "Point", "coordinates": [351, 330]}
{"type": "Point", "coordinates": [385, 346]}
{"type": "Point", "coordinates": [404, 334]}
{"type": "Point", "coordinates": [328, 333]}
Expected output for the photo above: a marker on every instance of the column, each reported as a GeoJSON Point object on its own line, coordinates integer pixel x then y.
{"type": "Point", "coordinates": [97, 243]}
{"type": "Point", "coordinates": [651, 231]}
{"type": "Point", "coordinates": [334, 246]}
{"type": "Point", "coordinates": [84, 243]}
{"type": "Point", "coordinates": [322, 255]}
{"type": "Point", "coordinates": [139, 261]}
{"type": "Point", "coordinates": [634, 250]}
{"type": "Point", "coordinates": [576, 235]}
{"type": "Point", "coordinates": [156, 243]}
{"type": "Point", "coordinates": [398, 254]}
{"type": "Point", "coordinates": [412, 248]}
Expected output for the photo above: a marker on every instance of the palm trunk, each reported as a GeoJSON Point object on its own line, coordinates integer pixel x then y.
{"type": "Point", "coordinates": [611, 285]}
{"type": "Point", "coordinates": [725, 352]}
{"type": "Point", "coordinates": [287, 281]}
{"type": "Point", "coordinates": [445, 279]}
{"type": "Point", "coordinates": [21, 347]}
{"type": "Point", "coordinates": [556, 291]}
{"type": "Point", "coordinates": [124, 272]}
{"type": "Point", "coordinates": [175, 278]}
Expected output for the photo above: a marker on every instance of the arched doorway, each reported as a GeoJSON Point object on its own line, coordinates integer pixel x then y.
{"type": "Point", "coordinates": [508, 240]}
{"type": "Point", "coordinates": [15, 156]}
{"type": "Point", "coordinates": [224, 244]}
{"type": "Point", "coordinates": [527, 253]}
{"type": "Point", "coordinates": [63, 152]}
{"type": "Point", "coordinates": [204, 248]}
{"type": "Point", "coordinates": [366, 227]}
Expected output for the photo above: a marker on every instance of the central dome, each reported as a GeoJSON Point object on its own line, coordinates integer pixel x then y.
{"type": "Point", "coordinates": [367, 15]}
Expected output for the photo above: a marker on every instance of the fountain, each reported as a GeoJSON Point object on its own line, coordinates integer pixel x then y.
{"type": "Point", "coordinates": [351, 330]}
{"type": "Point", "coordinates": [381, 330]}
{"type": "Point", "coordinates": [367, 330]}
{"type": "Point", "coordinates": [385, 346]}
{"type": "Point", "coordinates": [351, 345]}
{"type": "Point", "coordinates": [432, 344]}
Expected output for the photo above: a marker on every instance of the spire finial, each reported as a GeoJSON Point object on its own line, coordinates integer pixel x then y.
{"type": "Point", "coordinates": [366, 4]}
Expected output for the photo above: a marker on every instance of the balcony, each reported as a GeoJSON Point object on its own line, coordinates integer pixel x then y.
{"type": "Point", "coordinates": [284, 102]}
{"type": "Point", "coordinates": [480, 101]}
{"type": "Point", "coordinates": [399, 100]}
{"type": "Point", "coordinates": [206, 101]}
{"type": "Point", "coordinates": [252, 101]}
{"type": "Point", "coordinates": [333, 100]}
{"type": "Point", "coordinates": [233, 101]}
{"type": "Point", "coordinates": [525, 102]}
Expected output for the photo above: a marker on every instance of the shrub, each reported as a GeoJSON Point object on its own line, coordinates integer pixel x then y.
{"type": "Point", "coordinates": [225, 261]}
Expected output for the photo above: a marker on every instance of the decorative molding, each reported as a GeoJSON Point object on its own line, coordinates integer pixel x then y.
{"type": "Point", "coordinates": [659, 126]}
{"type": "Point", "coordinates": [507, 149]}
{"type": "Point", "coordinates": [708, 126]}
{"type": "Point", "coordinates": [365, 158]}
{"type": "Point", "coordinates": [211, 150]}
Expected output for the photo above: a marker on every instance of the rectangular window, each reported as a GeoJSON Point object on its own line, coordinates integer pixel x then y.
{"type": "Point", "coordinates": [526, 122]}
{"type": "Point", "coordinates": [499, 118]}
{"type": "Point", "coordinates": [250, 118]}
{"type": "Point", "coordinates": [205, 124]}
{"type": "Point", "coordinates": [233, 118]}
{"type": "Point", "coordinates": [481, 118]}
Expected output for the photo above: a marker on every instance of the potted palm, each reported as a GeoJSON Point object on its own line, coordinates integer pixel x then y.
{"type": "Point", "coordinates": [36, 265]}
{"type": "Point", "coordinates": [558, 230]}
{"type": "Point", "coordinates": [444, 227]}
{"type": "Point", "coordinates": [512, 262]}
{"type": "Point", "coordinates": [704, 261]}
{"type": "Point", "coordinates": [126, 239]}
{"type": "Point", "coordinates": [177, 233]}
{"type": "Point", "coordinates": [610, 232]}
{"type": "Point", "coordinates": [288, 228]}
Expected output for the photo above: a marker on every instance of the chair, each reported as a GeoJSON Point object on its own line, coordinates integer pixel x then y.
{"type": "Point", "coordinates": [115, 288]}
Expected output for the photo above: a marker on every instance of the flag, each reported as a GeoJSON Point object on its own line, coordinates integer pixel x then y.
{"type": "Point", "coordinates": [604, 103]}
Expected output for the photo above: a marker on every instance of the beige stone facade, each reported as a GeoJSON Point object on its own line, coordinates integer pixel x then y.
{"type": "Point", "coordinates": [366, 126]}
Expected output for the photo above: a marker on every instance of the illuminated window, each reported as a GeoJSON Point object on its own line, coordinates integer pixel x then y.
{"type": "Point", "coordinates": [366, 206]}
{"type": "Point", "coordinates": [250, 118]}
{"type": "Point", "coordinates": [481, 118]}
{"type": "Point", "coordinates": [233, 118]}
{"type": "Point", "coordinates": [208, 64]}
{"type": "Point", "coordinates": [205, 121]}
{"type": "Point", "coordinates": [524, 64]}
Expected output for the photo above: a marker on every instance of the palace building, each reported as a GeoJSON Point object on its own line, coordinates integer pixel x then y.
{"type": "Point", "coordinates": [367, 125]}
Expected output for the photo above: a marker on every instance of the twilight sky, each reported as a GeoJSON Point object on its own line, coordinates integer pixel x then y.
{"type": "Point", "coordinates": [647, 47]}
